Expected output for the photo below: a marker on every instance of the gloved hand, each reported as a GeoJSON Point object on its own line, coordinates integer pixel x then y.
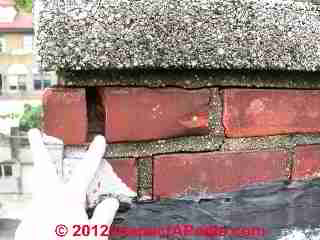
{"type": "Point", "coordinates": [55, 203]}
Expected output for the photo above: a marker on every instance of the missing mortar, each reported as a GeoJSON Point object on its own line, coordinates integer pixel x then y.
{"type": "Point", "coordinates": [221, 97]}
{"type": "Point", "coordinates": [95, 113]}
{"type": "Point", "coordinates": [291, 163]}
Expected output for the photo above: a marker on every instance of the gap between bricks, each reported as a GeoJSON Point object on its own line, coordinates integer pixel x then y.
{"type": "Point", "coordinates": [292, 168]}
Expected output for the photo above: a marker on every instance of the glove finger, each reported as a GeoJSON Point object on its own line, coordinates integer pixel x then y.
{"type": "Point", "coordinates": [44, 171]}
{"type": "Point", "coordinates": [105, 212]}
{"type": "Point", "coordinates": [85, 171]}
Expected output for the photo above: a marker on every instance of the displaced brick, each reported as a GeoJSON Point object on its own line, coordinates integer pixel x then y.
{"type": "Point", "coordinates": [179, 174]}
{"type": "Point", "coordinates": [306, 162]}
{"type": "Point", "coordinates": [65, 114]}
{"type": "Point", "coordinates": [135, 114]}
{"type": "Point", "coordinates": [256, 112]}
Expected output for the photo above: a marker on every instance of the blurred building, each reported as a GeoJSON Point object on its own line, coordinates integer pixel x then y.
{"type": "Point", "coordinates": [16, 172]}
{"type": "Point", "coordinates": [19, 74]}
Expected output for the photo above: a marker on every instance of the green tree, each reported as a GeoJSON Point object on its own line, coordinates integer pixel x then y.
{"type": "Point", "coordinates": [25, 5]}
{"type": "Point", "coordinates": [32, 117]}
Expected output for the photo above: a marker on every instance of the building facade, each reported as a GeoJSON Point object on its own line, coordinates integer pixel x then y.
{"type": "Point", "coordinates": [16, 163]}
{"type": "Point", "coordinates": [19, 75]}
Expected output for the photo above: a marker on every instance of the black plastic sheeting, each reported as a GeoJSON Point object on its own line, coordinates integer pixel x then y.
{"type": "Point", "coordinates": [278, 208]}
{"type": "Point", "coordinates": [290, 212]}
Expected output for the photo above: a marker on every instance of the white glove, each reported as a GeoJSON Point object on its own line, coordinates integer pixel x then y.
{"type": "Point", "coordinates": [55, 203]}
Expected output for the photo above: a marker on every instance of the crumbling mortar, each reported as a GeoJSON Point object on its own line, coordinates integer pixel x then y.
{"type": "Point", "coordinates": [288, 143]}
{"type": "Point", "coordinates": [195, 79]}
{"type": "Point", "coordinates": [291, 163]}
{"type": "Point", "coordinates": [145, 176]}
{"type": "Point", "coordinates": [221, 96]}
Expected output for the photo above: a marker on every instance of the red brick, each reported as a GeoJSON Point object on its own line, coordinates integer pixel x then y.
{"type": "Point", "coordinates": [126, 169]}
{"type": "Point", "coordinates": [306, 162]}
{"type": "Point", "coordinates": [216, 171]}
{"type": "Point", "coordinates": [255, 112]}
{"type": "Point", "coordinates": [65, 114]}
{"type": "Point", "coordinates": [134, 114]}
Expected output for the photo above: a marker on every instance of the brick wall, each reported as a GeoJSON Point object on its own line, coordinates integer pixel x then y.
{"type": "Point", "coordinates": [173, 141]}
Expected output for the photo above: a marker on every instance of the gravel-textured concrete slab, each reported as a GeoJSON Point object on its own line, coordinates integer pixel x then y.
{"type": "Point", "coordinates": [198, 34]}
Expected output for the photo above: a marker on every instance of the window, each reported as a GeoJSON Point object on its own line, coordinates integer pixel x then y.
{"type": "Point", "coordinates": [27, 42]}
{"type": "Point", "coordinates": [17, 82]}
{"type": "Point", "coordinates": [6, 170]}
{"type": "Point", "coordinates": [41, 81]}
{"type": "Point", "coordinates": [17, 77]}
{"type": "Point", "coordinates": [0, 84]}
{"type": "Point", "coordinates": [13, 82]}
{"type": "Point", "coordinates": [2, 45]}
{"type": "Point", "coordinates": [37, 84]}
{"type": "Point", "coordinates": [22, 82]}
{"type": "Point", "coordinates": [46, 83]}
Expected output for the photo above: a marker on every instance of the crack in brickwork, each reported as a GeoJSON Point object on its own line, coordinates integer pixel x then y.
{"type": "Point", "coordinates": [145, 151]}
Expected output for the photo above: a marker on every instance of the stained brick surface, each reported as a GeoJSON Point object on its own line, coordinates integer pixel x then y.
{"type": "Point", "coordinates": [253, 112]}
{"type": "Point", "coordinates": [65, 114]}
{"type": "Point", "coordinates": [177, 174]}
{"type": "Point", "coordinates": [306, 162]}
{"type": "Point", "coordinates": [126, 169]}
{"type": "Point", "coordinates": [134, 114]}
